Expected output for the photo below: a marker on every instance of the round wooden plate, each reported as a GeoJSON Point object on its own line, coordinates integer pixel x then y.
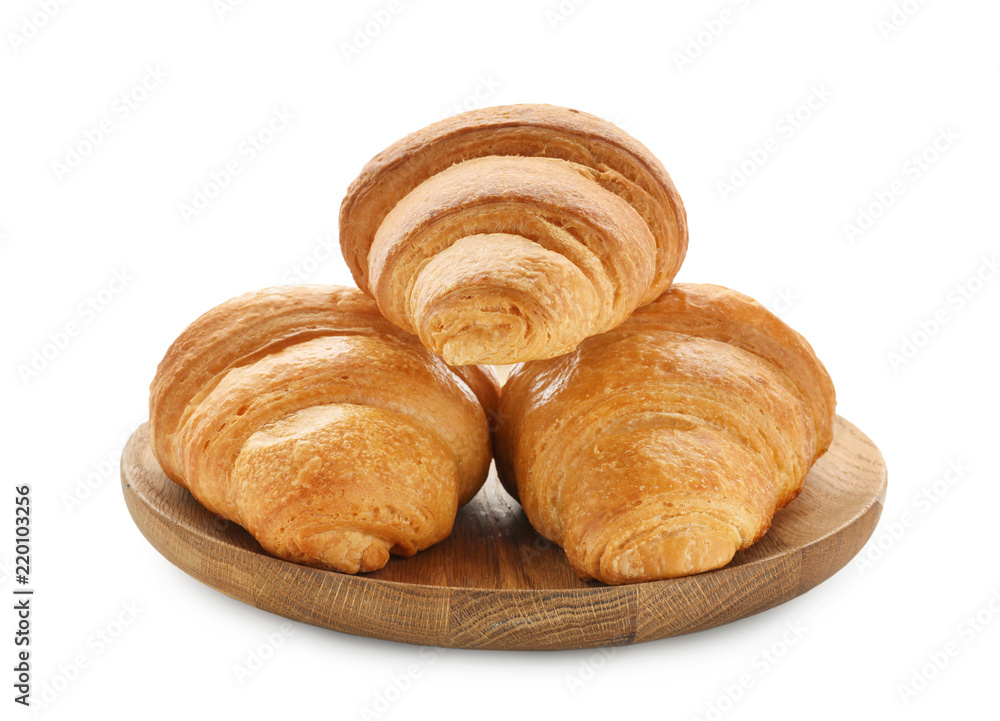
{"type": "Point", "coordinates": [495, 583]}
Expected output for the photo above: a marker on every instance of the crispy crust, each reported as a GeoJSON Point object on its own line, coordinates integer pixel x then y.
{"type": "Point", "coordinates": [609, 159]}
{"type": "Point", "coordinates": [281, 391]}
{"type": "Point", "coordinates": [660, 448]}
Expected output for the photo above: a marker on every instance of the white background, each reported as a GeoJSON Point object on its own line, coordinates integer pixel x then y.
{"type": "Point", "coordinates": [892, 90]}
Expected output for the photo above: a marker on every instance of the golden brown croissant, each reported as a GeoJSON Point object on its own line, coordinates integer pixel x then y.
{"type": "Point", "coordinates": [662, 447]}
{"type": "Point", "coordinates": [513, 233]}
{"type": "Point", "coordinates": [334, 438]}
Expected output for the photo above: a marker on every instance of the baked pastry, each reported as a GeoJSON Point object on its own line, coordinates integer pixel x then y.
{"type": "Point", "coordinates": [660, 448]}
{"type": "Point", "coordinates": [334, 438]}
{"type": "Point", "coordinates": [512, 233]}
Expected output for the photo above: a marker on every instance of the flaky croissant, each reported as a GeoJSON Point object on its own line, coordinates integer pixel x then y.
{"type": "Point", "coordinates": [660, 448]}
{"type": "Point", "coordinates": [331, 436]}
{"type": "Point", "coordinates": [512, 233]}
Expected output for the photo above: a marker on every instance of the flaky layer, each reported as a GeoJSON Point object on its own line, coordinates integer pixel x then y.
{"type": "Point", "coordinates": [391, 486]}
{"type": "Point", "coordinates": [308, 386]}
{"type": "Point", "coordinates": [662, 447]}
{"type": "Point", "coordinates": [438, 229]}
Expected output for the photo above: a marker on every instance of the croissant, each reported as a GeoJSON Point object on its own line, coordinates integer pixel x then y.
{"type": "Point", "coordinates": [334, 438]}
{"type": "Point", "coordinates": [512, 233]}
{"type": "Point", "coordinates": [660, 448]}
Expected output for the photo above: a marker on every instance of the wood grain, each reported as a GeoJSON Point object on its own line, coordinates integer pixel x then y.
{"type": "Point", "coordinates": [495, 583]}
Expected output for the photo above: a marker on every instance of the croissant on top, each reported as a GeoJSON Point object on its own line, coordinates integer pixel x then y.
{"type": "Point", "coordinates": [334, 438]}
{"type": "Point", "coordinates": [512, 233]}
{"type": "Point", "coordinates": [663, 446]}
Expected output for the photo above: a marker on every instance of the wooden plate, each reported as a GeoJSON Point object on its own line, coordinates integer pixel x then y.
{"type": "Point", "coordinates": [495, 583]}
